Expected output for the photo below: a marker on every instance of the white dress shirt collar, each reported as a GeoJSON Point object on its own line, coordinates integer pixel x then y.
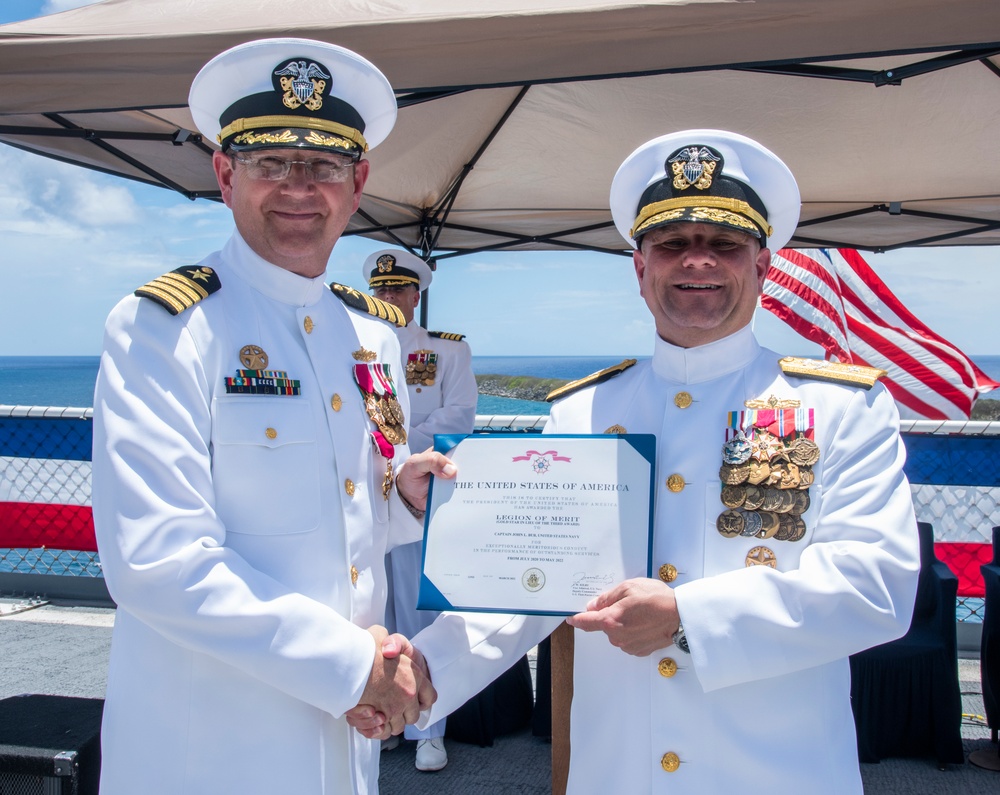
{"type": "Point", "coordinates": [705, 362]}
{"type": "Point", "coordinates": [271, 280]}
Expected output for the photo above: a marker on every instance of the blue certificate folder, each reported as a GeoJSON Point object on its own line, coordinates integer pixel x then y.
{"type": "Point", "coordinates": [537, 524]}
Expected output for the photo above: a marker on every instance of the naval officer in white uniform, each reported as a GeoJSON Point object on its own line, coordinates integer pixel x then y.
{"type": "Point", "coordinates": [784, 538]}
{"type": "Point", "coordinates": [443, 395]}
{"type": "Point", "coordinates": [249, 440]}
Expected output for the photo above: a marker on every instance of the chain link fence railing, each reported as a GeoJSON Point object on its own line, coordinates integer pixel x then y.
{"type": "Point", "coordinates": [46, 524]}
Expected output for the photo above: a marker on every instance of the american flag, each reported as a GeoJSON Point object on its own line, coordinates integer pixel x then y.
{"type": "Point", "coordinates": [833, 298]}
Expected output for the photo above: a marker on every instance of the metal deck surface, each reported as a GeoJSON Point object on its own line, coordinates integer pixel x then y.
{"type": "Point", "coordinates": [63, 650]}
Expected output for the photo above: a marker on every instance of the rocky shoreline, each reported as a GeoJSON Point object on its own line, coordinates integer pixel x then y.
{"type": "Point", "coordinates": [519, 387]}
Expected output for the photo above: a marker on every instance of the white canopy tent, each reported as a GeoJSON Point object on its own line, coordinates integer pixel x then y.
{"type": "Point", "coordinates": [515, 115]}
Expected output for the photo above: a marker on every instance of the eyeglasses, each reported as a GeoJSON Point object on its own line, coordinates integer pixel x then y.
{"type": "Point", "coordinates": [272, 169]}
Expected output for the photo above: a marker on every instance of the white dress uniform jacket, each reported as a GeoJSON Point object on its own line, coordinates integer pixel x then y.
{"type": "Point", "coordinates": [449, 404]}
{"type": "Point", "coordinates": [243, 538]}
{"type": "Point", "coordinates": [446, 406]}
{"type": "Point", "coordinates": [762, 703]}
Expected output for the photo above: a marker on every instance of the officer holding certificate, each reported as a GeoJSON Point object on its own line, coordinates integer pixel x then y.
{"type": "Point", "coordinates": [784, 538]}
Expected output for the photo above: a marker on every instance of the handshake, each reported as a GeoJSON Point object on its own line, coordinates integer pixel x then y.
{"type": "Point", "coordinates": [399, 688]}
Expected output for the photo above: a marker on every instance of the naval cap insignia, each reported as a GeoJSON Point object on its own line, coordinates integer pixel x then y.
{"type": "Point", "coordinates": [302, 84]}
{"type": "Point", "coordinates": [385, 263]}
{"type": "Point", "coordinates": [693, 166]}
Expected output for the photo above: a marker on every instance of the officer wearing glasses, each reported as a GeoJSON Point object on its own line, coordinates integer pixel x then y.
{"type": "Point", "coordinates": [250, 434]}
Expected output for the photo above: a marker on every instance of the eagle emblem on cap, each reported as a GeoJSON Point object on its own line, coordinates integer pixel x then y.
{"type": "Point", "coordinates": [385, 263]}
{"type": "Point", "coordinates": [693, 165]}
{"type": "Point", "coordinates": [302, 84]}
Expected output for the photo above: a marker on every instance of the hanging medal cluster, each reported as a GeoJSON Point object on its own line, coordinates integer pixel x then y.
{"type": "Point", "coordinates": [374, 379]}
{"type": "Point", "coordinates": [766, 472]}
{"type": "Point", "coordinates": [421, 367]}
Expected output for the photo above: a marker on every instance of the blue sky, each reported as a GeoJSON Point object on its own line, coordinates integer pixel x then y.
{"type": "Point", "coordinates": [75, 241]}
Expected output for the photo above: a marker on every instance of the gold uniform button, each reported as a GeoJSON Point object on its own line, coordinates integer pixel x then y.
{"type": "Point", "coordinates": [683, 399]}
{"type": "Point", "coordinates": [354, 575]}
{"type": "Point", "coordinates": [270, 433]}
{"type": "Point", "coordinates": [418, 389]}
{"type": "Point", "coordinates": [667, 667]}
{"type": "Point", "coordinates": [349, 487]}
{"type": "Point", "coordinates": [336, 402]}
{"type": "Point", "coordinates": [670, 762]}
{"type": "Point", "coordinates": [307, 324]}
{"type": "Point", "coordinates": [675, 483]}
{"type": "Point", "coordinates": [668, 572]}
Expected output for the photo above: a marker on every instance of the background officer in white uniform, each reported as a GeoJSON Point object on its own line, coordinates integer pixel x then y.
{"type": "Point", "coordinates": [249, 434]}
{"type": "Point", "coordinates": [784, 538]}
{"type": "Point", "coordinates": [443, 395]}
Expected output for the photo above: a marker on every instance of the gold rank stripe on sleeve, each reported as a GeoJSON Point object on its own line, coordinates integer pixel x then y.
{"type": "Point", "coordinates": [366, 303]}
{"type": "Point", "coordinates": [446, 335]}
{"type": "Point", "coordinates": [181, 289]}
{"type": "Point", "coordinates": [852, 374]}
{"type": "Point", "coordinates": [589, 380]}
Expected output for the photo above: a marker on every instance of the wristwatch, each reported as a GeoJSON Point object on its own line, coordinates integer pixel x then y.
{"type": "Point", "coordinates": [681, 641]}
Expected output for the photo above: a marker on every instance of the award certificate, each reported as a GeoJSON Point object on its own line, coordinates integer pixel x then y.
{"type": "Point", "coordinates": [537, 524]}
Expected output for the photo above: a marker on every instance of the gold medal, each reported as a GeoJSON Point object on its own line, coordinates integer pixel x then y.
{"type": "Point", "coordinates": [396, 410]}
{"type": "Point", "coordinates": [754, 498]}
{"type": "Point", "coordinates": [734, 475]}
{"type": "Point", "coordinates": [372, 407]}
{"type": "Point", "coordinates": [786, 526]}
{"type": "Point", "coordinates": [760, 471]}
{"type": "Point", "coordinates": [803, 451]}
{"type": "Point", "coordinates": [786, 502]}
{"type": "Point", "coordinates": [730, 523]}
{"type": "Point", "coordinates": [790, 478]}
{"type": "Point", "coordinates": [392, 434]}
{"type": "Point", "coordinates": [733, 496]}
{"type": "Point", "coordinates": [387, 480]}
{"type": "Point", "coordinates": [772, 500]}
{"type": "Point", "coordinates": [769, 524]}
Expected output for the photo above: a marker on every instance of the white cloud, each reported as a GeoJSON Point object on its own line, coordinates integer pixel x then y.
{"type": "Point", "coordinates": [103, 205]}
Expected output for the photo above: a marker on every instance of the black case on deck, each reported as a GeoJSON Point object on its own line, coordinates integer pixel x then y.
{"type": "Point", "coordinates": [50, 745]}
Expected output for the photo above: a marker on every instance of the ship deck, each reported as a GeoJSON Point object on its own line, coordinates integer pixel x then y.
{"type": "Point", "coordinates": [63, 650]}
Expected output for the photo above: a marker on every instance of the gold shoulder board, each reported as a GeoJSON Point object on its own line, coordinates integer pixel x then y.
{"type": "Point", "coordinates": [852, 374]}
{"type": "Point", "coordinates": [589, 380]}
{"type": "Point", "coordinates": [181, 289]}
{"type": "Point", "coordinates": [446, 335]}
{"type": "Point", "coordinates": [369, 304]}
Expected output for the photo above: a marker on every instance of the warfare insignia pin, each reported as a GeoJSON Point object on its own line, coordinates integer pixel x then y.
{"type": "Point", "coordinates": [362, 354]}
{"type": "Point", "coordinates": [253, 357]}
{"type": "Point", "coordinates": [761, 556]}
{"type": "Point", "coordinates": [772, 402]}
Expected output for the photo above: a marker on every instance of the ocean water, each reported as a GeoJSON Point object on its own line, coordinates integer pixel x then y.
{"type": "Point", "coordinates": [69, 380]}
